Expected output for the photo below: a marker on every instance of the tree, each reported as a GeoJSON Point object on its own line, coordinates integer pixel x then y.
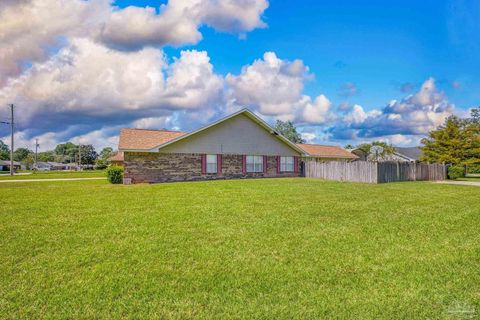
{"type": "Point", "coordinates": [102, 160]}
{"type": "Point", "coordinates": [21, 154]}
{"type": "Point", "coordinates": [4, 151]}
{"type": "Point", "coordinates": [67, 152]}
{"type": "Point", "coordinates": [88, 154]}
{"type": "Point", "coordinates": [46, 156]}
{"type": "Point", "coordinates": [105, 153]}
{"type": "Point", "coordinates": [349, 146]}
{"type": "Point", "coordinates": [388, 149]}
{"type": "Point", "coordinates": [289, 131]}
{"type": "Point", "coordinates": [456, 142]}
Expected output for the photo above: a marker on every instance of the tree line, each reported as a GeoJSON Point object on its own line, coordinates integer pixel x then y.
{"type": "Point", "coordinates": [68, 152]}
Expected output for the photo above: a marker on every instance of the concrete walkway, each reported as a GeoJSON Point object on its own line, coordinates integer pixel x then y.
{"type": "Point", "coordinates": [46, 180]}
{"type": "Point", "coordinates": [464, 183]}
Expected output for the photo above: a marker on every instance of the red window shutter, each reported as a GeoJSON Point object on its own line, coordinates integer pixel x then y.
{"type": "Point", "coordinates": [278, 164]}
{"type": "Point", "coordinates": [204, 163]}
{"type": "Point", "coordinates": [244, 164]}
{"type": "Point", "coordinates": [264, 164]}
{"type": "Point", "coordinates": [219, 163]}
{"type": "Point", "coordinates": [295, 164]}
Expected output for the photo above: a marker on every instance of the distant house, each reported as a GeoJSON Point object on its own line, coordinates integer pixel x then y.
{"type": "Point", "coordinates": [116, 159]}
{"type": "Point", "coordinates": [241, 145]}
{"type": "Point", "coordinates": [5, 165]}
{"type": "Point", "coordinates": [50, 166]}
{"type": "Point", "coordinates": [410, 154]}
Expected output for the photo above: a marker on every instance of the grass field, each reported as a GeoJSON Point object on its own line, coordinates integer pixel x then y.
{"type": "Point", "coordinates": [271, 248]}
{"type": "Point", "coordinates": [55, 175]}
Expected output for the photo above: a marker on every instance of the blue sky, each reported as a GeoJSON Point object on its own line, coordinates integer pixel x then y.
{"type": "Point", "coordinates": [378, 47]}
{"type": "Point", "coordinates": [354, 53]}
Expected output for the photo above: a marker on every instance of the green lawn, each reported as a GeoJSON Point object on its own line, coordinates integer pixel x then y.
{"type": "Point", "coordinates": [252, 249]}
{"type": "Point", "coordinates": [54, 175]}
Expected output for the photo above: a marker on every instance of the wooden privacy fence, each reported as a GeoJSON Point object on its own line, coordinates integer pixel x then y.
{"type": "Point", "coordinates": [373, 172]}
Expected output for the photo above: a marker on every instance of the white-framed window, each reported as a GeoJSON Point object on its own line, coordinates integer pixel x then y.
{"type": "Point", "coordinates": [254, 163]}
{"type": "Point", "coordinates": [211, 163]}
{"type": "Point", "coordinates": [286, 164]}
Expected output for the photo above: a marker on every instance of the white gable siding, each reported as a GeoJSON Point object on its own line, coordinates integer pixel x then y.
{"type": "Point", "coordinates": [238, 135]}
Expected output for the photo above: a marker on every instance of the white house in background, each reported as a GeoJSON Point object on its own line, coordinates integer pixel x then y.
{"type": "Point", "coordinates": [50, 166]}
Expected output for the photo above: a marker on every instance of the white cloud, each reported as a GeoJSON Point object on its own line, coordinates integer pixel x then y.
{"type": "Point", "coordinates": [316, 112]}
{"type": "Point", "coordinates": [270, 85]}
{"type": "Point", "coordinates": [30, 28]}
{"type": "Point", "coordinates": [416, 114]}
{"type": "Point", "coordinates": [308, 136]}
{"type": "Point", "coordinates": [89, 79]}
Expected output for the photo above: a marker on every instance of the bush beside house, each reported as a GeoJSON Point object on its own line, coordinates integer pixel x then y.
{"type": "Point", "coordinates": [115, 174]}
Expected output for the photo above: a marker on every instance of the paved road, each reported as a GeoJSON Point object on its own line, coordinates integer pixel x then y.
{"type": "Point", "coordinates": [58, 179]}
{"type": "Point", "coordinates": [464, 183]}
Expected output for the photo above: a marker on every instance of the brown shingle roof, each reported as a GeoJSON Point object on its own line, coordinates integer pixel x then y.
{"type": "Point", "coordinates": [317, 150]}
{"type": "Point", "coordinates": [143, 139]}
{"type": "Point", "coordinates": [116, 157]}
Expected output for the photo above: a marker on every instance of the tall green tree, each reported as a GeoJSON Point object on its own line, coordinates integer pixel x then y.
{"type": "Point", "coordinates": [289, 131]}
{"type": "Point", "coordinates": [88, 154]}
{"type": "Point", "coordinates": [21, 154]}
{"type": "Point", "coordinates": [66, 152]}
{"type": "Point", "coordinates": [102, 159]}
{"type": "Point", "coordinates": [4, 151]}
{"type": "Point", "coordinates": [457, 141]}
{"type": "Point", "coordinates": [46, 156]}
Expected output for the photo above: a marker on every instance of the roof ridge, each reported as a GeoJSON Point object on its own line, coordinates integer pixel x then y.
{"type": "Point", "coordinates": [322, 145]}
{"type": "Point", "coordinates": [160, 130]}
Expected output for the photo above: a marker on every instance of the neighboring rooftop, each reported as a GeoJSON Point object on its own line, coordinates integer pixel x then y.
{"type": "Point", "coordinates": [143, 139]}
{"type": "Point", "coordinates": [322, 151]}
{"type": "Point", "coordinates": [412, 153]}
{"type": "Point", "coordinates": [117, 157]}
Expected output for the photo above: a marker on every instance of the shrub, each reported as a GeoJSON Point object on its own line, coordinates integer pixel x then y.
{"type": "Point", "coordinates": [115, 174]}
{"type": "Point", "coordinates": [473, 168]}
{"type": "Point", "coordinates": [455, 172]}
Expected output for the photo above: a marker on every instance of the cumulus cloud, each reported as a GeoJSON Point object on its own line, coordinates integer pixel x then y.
{"type": "Point", "coordinates": [87, 83]}
{"type": "Point", "coordinates": [414, 115]}
{"type": "Point", "coordinates": [30, 29]}
{"type": "Point", "coordinates": [274, 87]}
{"type": "Point", "coordinates": [270, 85]}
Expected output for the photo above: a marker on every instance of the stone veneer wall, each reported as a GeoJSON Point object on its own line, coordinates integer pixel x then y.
{"type": "Point", "coordinates": [169, 167]}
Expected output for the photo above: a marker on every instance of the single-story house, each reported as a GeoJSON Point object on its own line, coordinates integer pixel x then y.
{"type": "Point", "coordinates": [407, 154]}
{"type": "Point", "coordinates": [5, 165]}
{"type": "Point", "coordinates": [50, 166]}
{"type": "Point", "coordinates": [241, 145]}
{"type": "Point", "coordinates": [116, 159]}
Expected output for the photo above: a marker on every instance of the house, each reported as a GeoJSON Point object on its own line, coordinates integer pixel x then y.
{"type": "Point", "coordinates": [410, 154]}
{"type": "Point", "coordinates": [50, 166]}
{"type": "Point", "coordinates": [241, 145]}
{"type": "Point", "coordinates": [116, 159]}
{"type": "Point", "coordinates": [5, 165]}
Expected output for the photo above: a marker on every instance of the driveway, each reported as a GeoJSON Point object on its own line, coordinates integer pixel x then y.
{"type": "Point", "coordinates": [464, 183]}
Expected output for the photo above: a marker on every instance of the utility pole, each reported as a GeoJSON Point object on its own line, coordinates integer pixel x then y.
{"type": "Point", "coordinates": [11, 140]}
{"type": "Point", "coordinates": [79, 156]}
{"type": "Point", "coordinates": [36, 152]}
